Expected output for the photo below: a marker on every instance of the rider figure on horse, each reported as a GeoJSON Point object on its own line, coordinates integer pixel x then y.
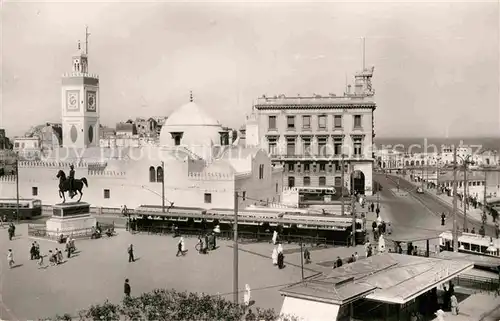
{"type": "Point", "coordinates": [71, 180]}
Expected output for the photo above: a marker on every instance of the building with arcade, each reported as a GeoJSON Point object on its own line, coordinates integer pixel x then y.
{"type": "Point", "coordinates": [197, 162]}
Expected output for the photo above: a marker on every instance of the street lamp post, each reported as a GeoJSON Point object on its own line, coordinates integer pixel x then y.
{"type": "Point", "coordinates": [466, 162]}
{"type": "Point", "coordinates": [17, 187]}
{"type": "Point", "coordinates": [342, 170]}
{"type": "Point", "coordinates": [162, 186]}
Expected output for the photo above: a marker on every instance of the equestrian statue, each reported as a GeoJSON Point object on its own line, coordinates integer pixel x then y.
{"type": "Point", "coordinates": [70, 184]}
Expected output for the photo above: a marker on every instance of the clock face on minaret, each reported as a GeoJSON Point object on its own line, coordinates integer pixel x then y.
{"type": "Point", "coordinates": [72, 97]}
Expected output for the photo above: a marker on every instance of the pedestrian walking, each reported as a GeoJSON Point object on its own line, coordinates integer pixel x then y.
{"type": "Point", "coordinates": [10, 258]}
{"type": "Point", "coordinates": [180, 247]}
{"type": "Point", "coordinates": [454, 304]}
{"type": "Point", "coordinates": [60, 256]}
{"type": "Point", "coordinates": [274, 256]}
{"type": "Point", "coordinates": [130, 251]}
{"type": "Point", "coordinates": [443, 219]}
{"type": "Point", "coordinates": [126, 288]}
{"type": "Point", "coordinates": [307, 256]}
{"type": "Point", "coordinates": [40, 260]}
{"type": "Point", "coordinates": [246, 296]}
{"type": "Point", "coordinates": [32, 251]}
{"type": "Point", "coordinates": [377, 211]}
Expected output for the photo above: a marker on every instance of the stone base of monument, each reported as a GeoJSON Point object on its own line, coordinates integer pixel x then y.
{"type": "Point", "coordinates": [68, 218]}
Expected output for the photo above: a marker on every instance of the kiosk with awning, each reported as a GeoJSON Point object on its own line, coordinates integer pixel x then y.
{"type": "Point", "coordinates": [381, 287]}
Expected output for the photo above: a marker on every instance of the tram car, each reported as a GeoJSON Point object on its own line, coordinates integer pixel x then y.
{"type": "Point", "coordinates": [28, 208]}
{"type": "Point", "coordinates": [471, 243]}
{"type": "Point", "coordinates": [254, 220]}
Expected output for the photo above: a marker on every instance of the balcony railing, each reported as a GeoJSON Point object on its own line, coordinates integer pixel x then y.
{"type": "Point", "coordinates": [317, 156]}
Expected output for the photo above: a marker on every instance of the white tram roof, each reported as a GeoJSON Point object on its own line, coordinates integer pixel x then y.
{"type": "Point", "coordinates": [471, 238]}
{"type": "Point", "coordinates": [481, 260]}
{"type": "Point", "coordinates": [263, 216]}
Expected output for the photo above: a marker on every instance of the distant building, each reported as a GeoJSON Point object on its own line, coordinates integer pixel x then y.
{"type": "Point", "coordinates": [51, 137]}
{"type": "Point", "coordinates": [28, 148]}
{"type": "Point", "coordinates": [107, 132]}
{"type": "Point", "coordinates": [146, 127]}
{"type": "Point", "coordinates": [309, 135]}
{"type": "Point", "coordinates": [126, 129]}
{"type": "Point", "coordinates": [4, 140]}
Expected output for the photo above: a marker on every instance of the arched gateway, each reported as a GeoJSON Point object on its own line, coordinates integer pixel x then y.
{"type": "Point", "coordinates": [358, 182]}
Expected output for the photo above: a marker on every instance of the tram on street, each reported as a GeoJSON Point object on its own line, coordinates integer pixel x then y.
{"type": "Point", "coordinates": [28, 208]}
{"type": "Point", "coordinates": [332, 228]}
{"type": "Point", "coordinates": [471, 243]}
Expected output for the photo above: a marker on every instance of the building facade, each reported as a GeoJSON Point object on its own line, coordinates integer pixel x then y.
{"type": "Point", "coordinates": [194, 164]}
{"type": "Point", "coordinates": [311, 137]}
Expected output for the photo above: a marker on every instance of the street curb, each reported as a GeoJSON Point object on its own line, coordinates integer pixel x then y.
{"type": "Point", "coordinates": [487, 314]}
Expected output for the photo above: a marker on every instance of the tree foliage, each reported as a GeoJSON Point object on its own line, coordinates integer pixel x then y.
{"type": "Point", "coordinates": [170, 305]}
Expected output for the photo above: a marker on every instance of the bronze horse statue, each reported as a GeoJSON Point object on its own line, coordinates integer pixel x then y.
{"type": "Point", "coordinates": [64, 185]}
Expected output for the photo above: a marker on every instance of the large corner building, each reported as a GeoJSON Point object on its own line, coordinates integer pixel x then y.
{"type": "Point", "coordinates": [312, 136]}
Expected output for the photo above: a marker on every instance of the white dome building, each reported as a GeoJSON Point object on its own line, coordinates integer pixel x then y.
{"type": "Point", "coordinates": [191, 127]}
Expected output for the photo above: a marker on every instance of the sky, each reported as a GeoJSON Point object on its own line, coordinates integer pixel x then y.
{"type": "Point", "coordinates": [436, 63]}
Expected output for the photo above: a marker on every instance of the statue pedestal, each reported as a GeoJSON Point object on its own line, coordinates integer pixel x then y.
{"type": "Point", "coordinates": [70, 218]}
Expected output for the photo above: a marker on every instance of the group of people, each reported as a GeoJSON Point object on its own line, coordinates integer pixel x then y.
{"type": "Point", "coordinates": [206, 243]}
{"type": "Point", "coordinates": [278, 257]}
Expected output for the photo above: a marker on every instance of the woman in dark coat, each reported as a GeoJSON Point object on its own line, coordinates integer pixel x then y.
{"type": "Point", "coordinates": [281, 259]}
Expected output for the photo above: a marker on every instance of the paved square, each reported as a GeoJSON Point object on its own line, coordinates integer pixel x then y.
{"type": "Point", "coordinates": [99, 270]}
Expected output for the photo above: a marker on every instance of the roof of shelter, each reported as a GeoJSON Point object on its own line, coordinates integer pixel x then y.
{"type": "Point", "coordinates": [388, 277]}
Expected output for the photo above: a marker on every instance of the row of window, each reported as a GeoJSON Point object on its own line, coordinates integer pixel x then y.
{"type": "Point", "coordinates": [321, 167]}
{"type": "Point", "coordinates": [307, 181]}
{"type": "Point", "coordinates": [177, 137]}
{"type": "Point", "coordinates": [461, 183]}
{"type": "Point", "coordinates": [155, 175]}
{"type": "Point", "coordinates": [322, 181]}
{"type": "Point", "coordinates": [107, 194]}
{"type": "Point", "coordinates": [322, 123]}
{"type": "Point", "coordinates": [34, 192]}
{"type": "Point", "coordinates": [323, 148]}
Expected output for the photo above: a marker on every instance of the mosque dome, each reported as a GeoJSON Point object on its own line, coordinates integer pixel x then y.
{"type": "Point", "coordinates": [190, 115]}
{"type": "Point", "coordinates": [190, 126]}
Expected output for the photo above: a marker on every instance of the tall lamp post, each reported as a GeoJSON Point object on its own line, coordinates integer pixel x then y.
{"type": "Point", "coordinates": [162, 186]}
{"type": "Point", "coordinates": [17, 186]}
{"type": "Point", "coordinates": [466, 162]}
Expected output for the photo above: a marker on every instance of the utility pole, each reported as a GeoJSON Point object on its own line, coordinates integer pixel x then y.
{"type": "Point", "coordinates": [353, 210]}
{"type": "Point", "coordinates": [422, 178]}
{"type": "Point", "coordinates": [465, 194]}
{"type": "Point", "coordinates": [484, 195]}
{"type": "Point", "coordinates": [455, 207]}
{"type": "Point", "coordinates": [235, 249]}
{"type": "Point", "coordinates": [17, 187]}
{"type": "Point", "coordinates": [302, 258]}
{"type": "Point", "coordinates": [163, 187]}
{"type": "Point", "coordinates": [342, 169]}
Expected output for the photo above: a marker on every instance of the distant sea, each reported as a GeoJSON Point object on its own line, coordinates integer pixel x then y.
{"type": "Point", "coordinates": [419, 143]}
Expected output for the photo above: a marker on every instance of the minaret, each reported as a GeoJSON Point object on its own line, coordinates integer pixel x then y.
{"type": "Point", "coordinates": [80, 102]}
